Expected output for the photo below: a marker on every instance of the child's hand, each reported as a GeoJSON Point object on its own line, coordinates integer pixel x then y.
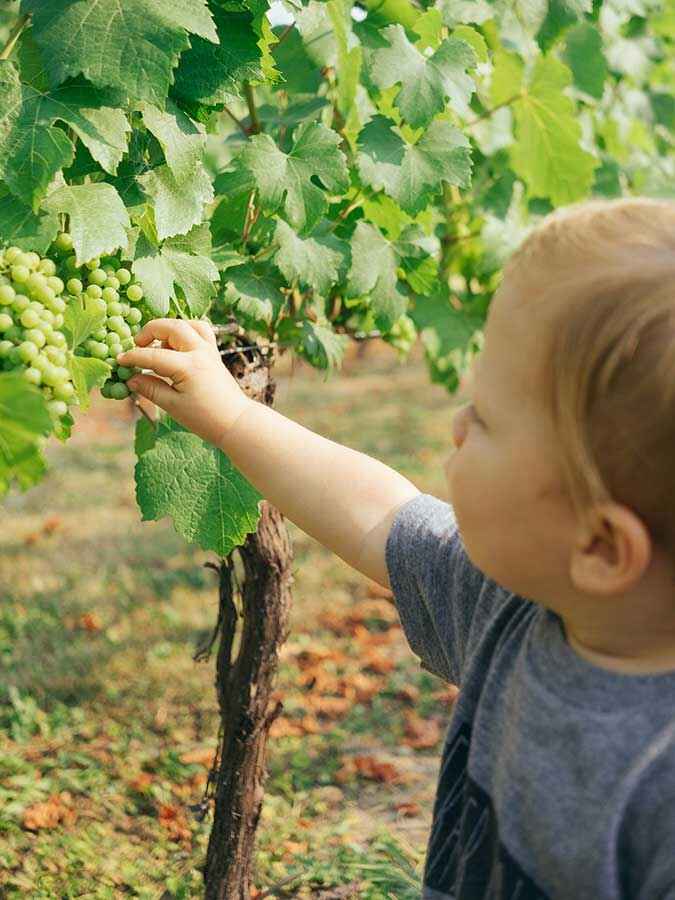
{"type": "Point", "coordinates": [203, 396]}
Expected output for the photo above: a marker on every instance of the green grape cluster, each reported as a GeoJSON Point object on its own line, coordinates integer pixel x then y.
{"type": "Point", "coordinates": [402, 336]}
{"type": "Point", "coordinates": [31, 318]}
{"type": "Point", "coordinates": [112, 287]}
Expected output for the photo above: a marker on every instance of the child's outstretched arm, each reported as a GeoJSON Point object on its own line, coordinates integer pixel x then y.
{"type": "Point", "coordinates": [344, 499]}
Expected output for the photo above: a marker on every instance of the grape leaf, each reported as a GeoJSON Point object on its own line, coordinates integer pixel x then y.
{"type": "Point", "coordinates": [177, 204]}
{"type": "Point", "coordinates": [445, 331]}
{"type": "Point", "coordinates": [373, 274]}
{"type": "Point", "coordinates": [317, 342]}
{"type": "Point", "coordinates": [584, 56]}
{"type": "Point", "coordinates": [98, 218]}
{"type": "Point", "coordinates": [80, 319]}
{"type": "Point", "coordinates": [507, 77]}
{"type": "Point", "coordinates": [87, 373]}
{"type": "Point", "coordinates": [456, 12]}
{"type": "Point", "coordinates": [425, 82]}
{"type": "Point", "coordinates": [348, 59]}
{"type": "Point", "coordinates": [429, 28]}
{"type": "Point", "coordinates": [313, 21]}
{"type": "Point", "coordinates": [413, 173]}
{"type": "Point", "coordinates": [418, 257]}
{"type": "Point", "coordinates": [208, 499]}
{"type": "Point", "coordinates": [144, 436]}
{"type": "Point", "coordinates": [316, 262]}
{"type": "Point", "coordinates": [33, 149]}
{"type": "Point", "coordinates": [213, 73]}
{"type": "Point", "coordinates": [179, 263]}
{"type": "Point", "coordinates": [285, 179]}
{"type": "Point", "coordinates": [181, 139]}
{"type": "Point", "coordinates": [132, 45]}
{"type": "Point", "coordinates": [24, 421]}
{"type": "Point", "coordinates": [560, 15]}
{"type": "Point", "coordinates": [255, 288]}
{"type": "Point", "coordinates": [547, 155]}
{"type": "Point", "coordinates": [266, 39]}
{"type": "Point", "coordinates": [20, 226]}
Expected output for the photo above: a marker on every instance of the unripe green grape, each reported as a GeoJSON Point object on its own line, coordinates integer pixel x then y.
{"type": "Point", "coordinates": [20, 274]}
{"type": "Point", "coordinates": [134, 316]}
{"type": "Point", "coordinates": [115, 323]}
{"type": "Point", "coordinates": [128, 344]}
{"type": "Point", "coordinates": [57, 339]}
{"type": "Point", "coordinates": [5, 347]}
{"type": "Point", "coordinates": [7, 294]}
{"type": "Point", "coordinates": [98, 349]}
{"type": "Point", "coordinates": [110, 295]}
{"type": "Point", "coordinates": [33, 375]}
{"type": "Point", "coordinates": [135, 293]}
{"type": "Point", "coordinates": [135, 329]}
{"type": "Point", "coordinates": [123, 276]}
{"type": "Point", "coordinates": [64, 242]}
{"type": "Point", "coordinates": [99, 304]}
{"type": "Point", "coordinates": [11, 254]}
{"type": "Point", "coordinates": [112, 339]}
{"type": "Point", "coordinates": [49, 317]}
{"type": "Point", "coordinates": [64, 391]}
{"type": "Point", "coordinates": [15, 356]}
{"type": "Point", "coordinates": [124, 373]}
{"type": "Point", "coordinates": [105, 390]}
{"type": "Point", "coordinates": [58, 321]}
{"type": "Point", "coordinates": [23, 259]}
{"type": "Point", "coordinates": [55, 284]}
{"type": "Point", "coordinates": [71, 264]}
{"type": "Point", "coordinates": [14, 334]}
{"type": "Point", "coordinates": [100, 335]}
{"type": "Point", "coordinates": [37, 336]}
{"type": "Point", "coordinates": [32, 259]}
{"type": "Point", "coordinates": [112, 282]}
{"type": "Point", "coordinates": [28, 351]}
{"type": "Point", "coordinates": [21, 302]}
{"type": "Point", "coordinates": [98, 276]}
{"type": "Point", "coordinates": [45, 295]}
{"type": "Point", "coordinates": [47, 267]}
{"type": "Point", "coordinates": [35, 281]}
{"type": "Point", "coordinates": [55, 356]}
{"type": "Point", "coordinates": [37, 306]}
{"type": "Point", "coordinates": [119, 391]}
{"type": "Point", "coordinates": [112, 362]}
{"type": "Point", "coordinates": [74, 286]}
{"type": "Point", "coordinates": [42, 362]}
{"type": "Point", "coordinates": [108, 269]}
{"type": "Point", "coordinates": [29, 318]}
{"type": "Point", "coordinates": [57, 408]}
{"type": "Point", "coordinates": [6, 321]}
{"type": "Point", "coordinates": [114, 309]}
{"type": "Point", "coordinates": [93, 264]}
{"type": "Point", "coordinates": [58, 305]}
{"type": "Point", "coordinates": [124, 332]}
{"type": "Point", "coordinates": [126, 309]}
{"type": "Point", "coordinates": [94, 291]}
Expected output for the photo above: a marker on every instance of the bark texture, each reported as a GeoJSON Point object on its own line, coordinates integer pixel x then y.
{"type": "Point", "coordinates": [256, 612]}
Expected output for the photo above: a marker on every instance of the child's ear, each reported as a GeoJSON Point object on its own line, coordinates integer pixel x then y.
{"type": "Point", "coordinates": [612, 552]}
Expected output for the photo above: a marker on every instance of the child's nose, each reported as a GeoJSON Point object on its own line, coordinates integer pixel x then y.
{"type": "Point", "coordinates": [460, 424]}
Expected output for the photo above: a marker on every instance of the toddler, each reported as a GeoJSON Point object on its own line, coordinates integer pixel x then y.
{"type": "Point", "coordinates": [545, 588]}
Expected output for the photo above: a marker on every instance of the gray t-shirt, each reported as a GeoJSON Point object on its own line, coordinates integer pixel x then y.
{"type": "Point", "coordinates": [557, 777]}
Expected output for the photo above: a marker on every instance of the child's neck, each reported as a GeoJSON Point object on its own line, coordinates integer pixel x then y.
{"type": "Point", "coordinates": [628, 653]}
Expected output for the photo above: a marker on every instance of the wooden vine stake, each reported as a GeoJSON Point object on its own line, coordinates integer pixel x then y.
{"type": "Point", "coordinates": [245, 674]}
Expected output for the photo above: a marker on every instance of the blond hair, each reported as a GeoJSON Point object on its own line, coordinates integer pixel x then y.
{"type": "Point", "coordinates": [610, 373]}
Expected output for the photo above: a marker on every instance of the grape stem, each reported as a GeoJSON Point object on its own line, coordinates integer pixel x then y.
{"type": "Point", "coordinates": [235, 119]}
{"type": "Point", "coordinates": [14, 36]}
{"type": "Point", "coordinates": [255, 127]}
{"type": "Point", "coordinates": [493, 110]}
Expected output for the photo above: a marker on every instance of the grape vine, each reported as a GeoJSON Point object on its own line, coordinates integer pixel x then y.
{"type": "Point", "coordinates": [355, 170]}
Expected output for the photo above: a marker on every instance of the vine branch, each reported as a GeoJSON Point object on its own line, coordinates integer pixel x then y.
{"type": "Point", "coordinates": [235, 119]}
{"type": "Point", "coordinates": [14, 36]}
{"type": "Point", "coordinates": [256, 127]}
{"type": "Point", "coordinates": [490, 112]}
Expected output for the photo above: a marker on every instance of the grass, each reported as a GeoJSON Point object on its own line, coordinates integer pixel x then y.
{"type": "Point", "coordinates": [103, 711]}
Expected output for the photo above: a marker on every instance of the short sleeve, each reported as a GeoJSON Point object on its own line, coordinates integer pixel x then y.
{"type": "Point", "coordinates": [443, 600]}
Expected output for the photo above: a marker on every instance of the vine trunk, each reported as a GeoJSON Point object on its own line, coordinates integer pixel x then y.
{"type": "Point", "coordinates": [245, 678]}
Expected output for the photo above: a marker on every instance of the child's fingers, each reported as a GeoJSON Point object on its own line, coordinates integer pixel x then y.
{"type": "Point", "coordinates": [168, 363]}
{"type": "Point", "coordinates": [204, 329]}
{"type": "Point", "coordinates": [153, 389]}
{"type": "Point", "coordinates": [175, 332]}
